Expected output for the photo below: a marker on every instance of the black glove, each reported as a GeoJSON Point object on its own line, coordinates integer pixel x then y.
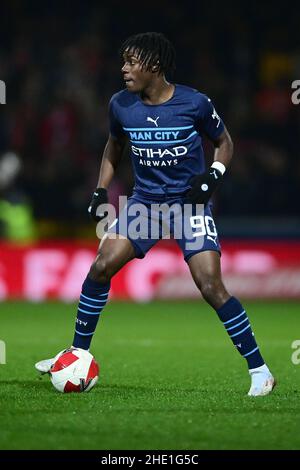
{"type": "Point", "coordinates": [203, 186]}
{"type": "Point", "coordinates": [99, 197]}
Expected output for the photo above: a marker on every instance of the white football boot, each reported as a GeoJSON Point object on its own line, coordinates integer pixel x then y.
{"type": "Point", "coordinates": [262, 381]}
{"type": "Point", "coordinates": [44, 366]}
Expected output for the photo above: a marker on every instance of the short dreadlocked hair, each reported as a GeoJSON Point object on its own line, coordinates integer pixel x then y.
{"type": "Point", "coordinates": [152, 49]}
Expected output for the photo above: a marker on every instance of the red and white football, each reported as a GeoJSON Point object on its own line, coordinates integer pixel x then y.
{"type": "Point", "coordinates": [75, 370]}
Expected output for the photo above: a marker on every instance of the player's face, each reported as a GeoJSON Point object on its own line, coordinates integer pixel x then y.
{"type": "Point", "coordinates": [136, 77]}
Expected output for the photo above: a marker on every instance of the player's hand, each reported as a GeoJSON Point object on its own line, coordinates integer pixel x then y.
{"type": "Point", "coordinates": [99, 197]}
{"type": "Point", "coordinates": [203, 186]}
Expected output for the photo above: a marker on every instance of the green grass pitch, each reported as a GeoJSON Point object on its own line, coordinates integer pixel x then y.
{"type": "Point", "coordinates": [170, 379]}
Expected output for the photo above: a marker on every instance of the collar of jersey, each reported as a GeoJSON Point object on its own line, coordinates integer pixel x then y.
{"type": "Point", "coordinates": [160, 104]}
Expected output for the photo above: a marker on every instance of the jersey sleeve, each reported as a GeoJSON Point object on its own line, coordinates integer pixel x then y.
{"type": "Point", "coordinates": [115, 127]}
{"type": "Point", "coordinates": [208, 120]}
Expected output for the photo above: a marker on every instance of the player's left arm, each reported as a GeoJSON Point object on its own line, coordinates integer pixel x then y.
{"type": "Point", "coordinates": [223, 150]}
{"type": "Point", "coordinates": [204, 185]}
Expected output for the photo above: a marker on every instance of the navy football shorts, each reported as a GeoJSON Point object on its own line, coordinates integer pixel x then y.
{"type": "Point", "coordinates": [145, 223]}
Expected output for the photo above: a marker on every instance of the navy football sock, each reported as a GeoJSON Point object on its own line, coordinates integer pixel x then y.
{"type": "Point", "coordinates": [93, 299]}
{"type": "Point", "coordinates": [236, 322]}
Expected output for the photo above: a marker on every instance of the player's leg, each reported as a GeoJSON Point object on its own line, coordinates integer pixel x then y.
{"type": "Point", "coordinates": [118, 246]}
{"type": "Point", "coordinates": [112, 255]}
{"type": "Point", "coordinates": [206, 272]}
{"type": "Point", "coordinates": [133, 241]}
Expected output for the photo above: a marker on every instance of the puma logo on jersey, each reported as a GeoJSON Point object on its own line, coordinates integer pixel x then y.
{"type": "Point", "coordinates": [213, 239]}
{"type": "Point", "coordinates": [153, 120]}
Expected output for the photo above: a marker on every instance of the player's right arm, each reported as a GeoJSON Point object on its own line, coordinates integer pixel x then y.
{"type": "Point", "coordinates": [111, 158]}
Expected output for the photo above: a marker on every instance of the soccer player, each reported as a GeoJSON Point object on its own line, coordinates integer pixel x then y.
{"type": "Point", "coordinates": [164, 123]}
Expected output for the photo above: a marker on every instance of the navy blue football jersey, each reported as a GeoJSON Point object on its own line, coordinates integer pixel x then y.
{"type": "Point", "coordinates": [165, 139]}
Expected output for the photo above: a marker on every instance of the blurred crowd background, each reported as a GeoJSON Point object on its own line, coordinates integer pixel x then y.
{"type": "Point", "coordinates": [60, 63]}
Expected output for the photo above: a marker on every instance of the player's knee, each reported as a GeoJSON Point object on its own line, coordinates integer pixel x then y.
{"type": "Point", "coordinates": [211, 289]}
{"type": "Point", "coordinates": [101, 270]}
